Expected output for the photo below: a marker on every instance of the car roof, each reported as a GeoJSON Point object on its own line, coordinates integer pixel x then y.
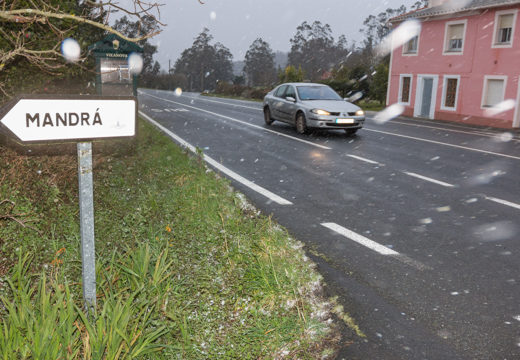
{"type": "Point", "coordinates": [303, 84]}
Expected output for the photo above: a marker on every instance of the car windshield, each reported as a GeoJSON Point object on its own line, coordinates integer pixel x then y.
{"type": "Point", "coordinates": [317, 93]}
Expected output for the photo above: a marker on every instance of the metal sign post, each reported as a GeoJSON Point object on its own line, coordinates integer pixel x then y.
{"type": "Point", "coordinates": [86, 215]}
{"type": "Point", "coordinates": [79, 119]}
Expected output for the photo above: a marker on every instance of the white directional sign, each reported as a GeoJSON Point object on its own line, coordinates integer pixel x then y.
{"type": "Point", "coordinates": [71, 119]}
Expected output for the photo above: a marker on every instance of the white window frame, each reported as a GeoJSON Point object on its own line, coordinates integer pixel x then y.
{"type": "Point", "coordinates": [405, 45]}
{"type": "Point", "coordinates": [399, 96]}
{"type": "Point", "coordinates": [445, 46]}
{"type": "Point", "coordinates": [419, 94]}
{"type": "Point", "coordinates": [485, 88]}
{"type": "Point", "coordinates": [494, 43]}
{"type": "Point", "coordinates": [444, 91]}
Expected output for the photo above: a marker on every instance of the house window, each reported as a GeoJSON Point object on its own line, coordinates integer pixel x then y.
{"type": "Point", "coordinates": [404, 94]}
{"type": "Point", "coordinates": [494, 88]}
{"type": "Point", "coordinates": [454, 41]}
{"type": "Point", "coordinates": [504, 28]}
{"type": "Point", "coordinates": [411, 46]}
{"type": "Point", "coordinates": [450, 92]}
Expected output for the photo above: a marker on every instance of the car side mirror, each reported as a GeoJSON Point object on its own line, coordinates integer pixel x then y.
{"type": "Point", "coordinates": [290, 98]}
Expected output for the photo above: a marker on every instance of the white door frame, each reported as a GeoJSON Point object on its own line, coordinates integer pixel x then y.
{"type": "Point", "coordinates": [419, 94]}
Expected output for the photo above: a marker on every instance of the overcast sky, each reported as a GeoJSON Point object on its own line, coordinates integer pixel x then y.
{"type": "Point", "coordinates": [237, 23]}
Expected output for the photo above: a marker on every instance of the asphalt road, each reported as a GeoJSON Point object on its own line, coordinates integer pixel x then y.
{"type": "Point", "coordinates": [414, 224]}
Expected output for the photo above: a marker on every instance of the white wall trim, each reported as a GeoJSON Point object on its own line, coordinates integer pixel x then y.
{"type": "Point", "coordinates": [390, 76]}
{"type": "Point", "coordinates": [444, 89]}
{"type": "Point", "coordinates": [445, 46]}
{"type": "Point", "coordinates": [516, 116]}
{"type": "Point", "coordinates": [494, 44]}
{"type": "Point", "coordinates": [419, 94]}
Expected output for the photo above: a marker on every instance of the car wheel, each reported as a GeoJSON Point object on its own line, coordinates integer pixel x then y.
{"type": "Point", "coordinates": [301, 123]}
{"type": "Point", "coordinates": [267, 116]}
{"type": "Point", "coordinates": [351, 131]}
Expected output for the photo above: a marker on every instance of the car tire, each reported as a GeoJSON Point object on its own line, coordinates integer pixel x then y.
{"type": "Point", "coordinates": [267, 116]}
{"type": "Point", "coordinates": [301, 123]}
{"type": "Point", "coordinates": [351, 131]}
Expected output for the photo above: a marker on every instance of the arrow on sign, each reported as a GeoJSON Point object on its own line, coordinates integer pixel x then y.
{"type": "Point", "coordinates": [71, 118]}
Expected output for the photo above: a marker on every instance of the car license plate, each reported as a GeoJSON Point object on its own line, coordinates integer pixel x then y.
{"type": "Point", "coordinates": [344, 121]}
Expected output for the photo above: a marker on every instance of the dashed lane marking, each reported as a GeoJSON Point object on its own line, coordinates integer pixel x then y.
{"type": "Point", "coordinates": [268, 194]}
{"type": "Point", "coordinates": [364, 159]}
{"type": "Point", "coordinates": [372, 245]}
{"type": "Point", "coordinates": [442, 183]}
{"type": "Point", "coordinates": [503, 202]}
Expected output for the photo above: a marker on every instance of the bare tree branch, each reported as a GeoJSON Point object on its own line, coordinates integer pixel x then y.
{"type": "Point", "coordinates": [16, 40]}
{"type": "Point", "coordinates": [33, 15]}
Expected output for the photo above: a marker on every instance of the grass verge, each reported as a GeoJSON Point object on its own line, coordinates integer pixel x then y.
{"type": "Point", "coordinates": [230, 97]}
{"type": "Point", "coordinates": [184, 270]}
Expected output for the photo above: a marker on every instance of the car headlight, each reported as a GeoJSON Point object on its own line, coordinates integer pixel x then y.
{"type": "Point", "coordinates": [360, 113]}
{"type": "Point", "coordinates": [320, 112]}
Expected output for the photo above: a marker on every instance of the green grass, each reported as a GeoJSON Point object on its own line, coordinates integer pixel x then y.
{"type": "Point", "coordinates": [370, 105]}
{"type": "Point", "coordinates": [184, 270]}
{"type": "Point", "coordinates": [230, 97]}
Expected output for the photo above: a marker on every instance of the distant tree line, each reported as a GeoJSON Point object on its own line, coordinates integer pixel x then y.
{"type": "Point", "coordinates": [315, 56]}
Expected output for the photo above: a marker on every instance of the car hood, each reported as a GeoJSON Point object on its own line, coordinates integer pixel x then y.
{"type": "Point", "coordinates": [331, 105]}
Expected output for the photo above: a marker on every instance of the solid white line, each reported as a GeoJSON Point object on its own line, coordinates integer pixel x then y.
{"type": "Point", "coordinates": [445, 144]}
{"type": "Point", "coordinates": [363, 159]}
{"type": "Point", "coordinates": [360, 239]}
{"type": "Point", "coordinates": [277, 199]}
{"type": "Point", "coordinates": [243, 122]}
{"type": "Point", "coordinates": [204, 98]}
{"type": "Point", "coordinates": [428, 179]}
{"type": "Point", "coordinates": [475, 133]}
{"type": "Point", "coordinates": [503, 202]}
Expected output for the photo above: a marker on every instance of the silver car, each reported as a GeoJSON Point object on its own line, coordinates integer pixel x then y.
{"type": "Point", "coordinates": [308, 105]}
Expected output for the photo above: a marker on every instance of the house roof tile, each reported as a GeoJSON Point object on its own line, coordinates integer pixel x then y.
{"type": "Point", "coordinates": [452, 7]}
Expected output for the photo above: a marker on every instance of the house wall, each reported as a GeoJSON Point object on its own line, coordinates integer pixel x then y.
{"type": "Point", "coordinates": [477, 60]}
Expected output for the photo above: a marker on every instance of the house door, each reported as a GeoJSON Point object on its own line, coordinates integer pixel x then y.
{"type": "Point", "coordinates": [426, 102]}
{"type": "Point", "coordinates": [426, 96]}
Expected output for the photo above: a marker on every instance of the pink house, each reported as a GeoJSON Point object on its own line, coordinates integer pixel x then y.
{"type": "Point", "coordinates": [464, 62]}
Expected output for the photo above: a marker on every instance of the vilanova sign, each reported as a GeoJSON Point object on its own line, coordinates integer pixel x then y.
{"type": "Point", "coordinates": [71, 118]}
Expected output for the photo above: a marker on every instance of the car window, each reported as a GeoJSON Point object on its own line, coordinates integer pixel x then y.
{"type": "Point", "coordinates": [290, 92]}
{"type": "Point", "coordinates": [317, 93]}
{"type": "Point", "coordinates": [280, 91]}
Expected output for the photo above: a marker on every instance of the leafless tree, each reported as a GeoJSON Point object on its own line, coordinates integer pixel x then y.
{"type": "Point", "coordinates": [57, 20]}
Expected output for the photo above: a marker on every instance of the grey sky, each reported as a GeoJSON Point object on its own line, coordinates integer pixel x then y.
{"type": "Point", "coordinates": [237, 23]}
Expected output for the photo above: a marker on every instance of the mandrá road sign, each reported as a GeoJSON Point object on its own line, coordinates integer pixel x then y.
{"type": "Point", "coordinates": [71, 118]}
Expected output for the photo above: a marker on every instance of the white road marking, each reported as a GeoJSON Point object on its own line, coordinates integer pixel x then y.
{"type": "Point", "coordinates": [360, 239]}
{"type": "Point", "coordinates": [244, 123]}
{"type": "Point", "coordinates": [268, 194]}
{"type": "Point", "coordinates": [445, 144]}
{"type": "Point", "coordinates": [476, 133]}
{"type": "Point", "coordinates": [225, 103]}
{"type": "Point", "coordinates": [364, 159]}
{"type": "Point", "coordinates": [442, 183]}
{"type": "Point", "coordinates": [503, 202]}
{"type": "Point", "coordinates": [372, 245]}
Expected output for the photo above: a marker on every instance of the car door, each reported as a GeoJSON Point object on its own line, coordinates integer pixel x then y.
{"type": "Point", "coordinates": [277, 102]}
{"type": "Point", "coordinates": [289, 107]}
